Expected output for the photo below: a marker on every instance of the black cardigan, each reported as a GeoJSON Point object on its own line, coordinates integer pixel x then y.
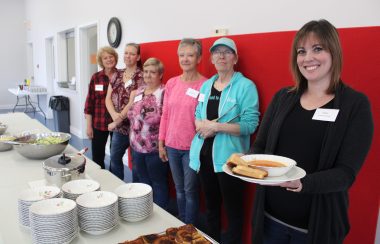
{"type": "Point", "coordinates": [345, 146]}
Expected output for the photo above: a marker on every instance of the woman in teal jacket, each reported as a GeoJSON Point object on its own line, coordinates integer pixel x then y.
{"type": "Point", "coordinates": [226, 115]}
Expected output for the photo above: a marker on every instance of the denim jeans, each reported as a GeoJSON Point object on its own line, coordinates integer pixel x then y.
{"type": "Point", "coordinates": [152, 171]}
{"type": "Point", "coordinates": [186, 185]}
{"type": "Point", "coordinates": [120, 143]}
{"type": "Point", "coordinates": [277, 233]}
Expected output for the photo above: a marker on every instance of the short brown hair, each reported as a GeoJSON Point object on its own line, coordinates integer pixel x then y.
{"type": "Point", "coordinates": [155, 62]}
{"type": "Point", "coordinates": [108, 50]}
{"type": "Point", "coordinates": [329, 38]}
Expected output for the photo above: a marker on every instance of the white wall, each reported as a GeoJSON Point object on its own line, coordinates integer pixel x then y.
{"type": "Point", "coordinates": [147, 21]}
{"type": "Point", "coordinates": [13, 69]}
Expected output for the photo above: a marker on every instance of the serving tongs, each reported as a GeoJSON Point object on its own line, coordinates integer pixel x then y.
{"type": "Point", "coordinates": [21, 140]}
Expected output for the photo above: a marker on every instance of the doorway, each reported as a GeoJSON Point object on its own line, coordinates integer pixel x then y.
{"type": "Point", "coordinates": [30, 63]}
{"type": "Point", "coordinates": [88, 65]}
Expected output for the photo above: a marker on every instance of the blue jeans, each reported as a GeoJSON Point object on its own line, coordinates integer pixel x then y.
{"type": "Point", "coordinates": [152, 171]}
{"type": "Point", "coordinates": [186, 185]}
{"type": "Point", "coordinates": [120, 143]}
{"type": "Point", "coordinates": [277, 233]}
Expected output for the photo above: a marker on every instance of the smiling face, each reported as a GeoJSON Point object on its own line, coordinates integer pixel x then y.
{"type": "Point", "coordinates": [223, 59]}
{"type": "Point", "coordinates": [108, 60]}
{"type": "Point", "coordinates": [314, 60]}
{"type": "Point", "coordinates": [188, 58]}
{"type": "Point", "coordinates": [131, 56]}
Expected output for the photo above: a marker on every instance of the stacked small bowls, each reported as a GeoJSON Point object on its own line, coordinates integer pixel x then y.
{"type": "Point", "coordinates": [30, 196]}
{"type": "Point", "coordinates": [73, 189]}
{"type": "Point", "coordinates": [135, 201]}
{"type": "Point", "coordinates": [54, 221]}
{"type": "Point", "coordinates": [97, 212]}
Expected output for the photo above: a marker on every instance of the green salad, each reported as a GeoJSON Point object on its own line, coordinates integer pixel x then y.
{"type": "Point", "coordinates": [49, 140]}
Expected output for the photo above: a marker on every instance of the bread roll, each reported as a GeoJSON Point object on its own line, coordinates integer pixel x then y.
{"type": "Point", "coordinates": [266, 163]}
{"type": "Point", "coordinates": [235, 160]}
{"type": "Point", "coordinates": [249, 172]}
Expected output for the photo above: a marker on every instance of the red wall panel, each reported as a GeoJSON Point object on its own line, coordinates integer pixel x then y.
{"type": "Point", "coordinates": [264, 58]}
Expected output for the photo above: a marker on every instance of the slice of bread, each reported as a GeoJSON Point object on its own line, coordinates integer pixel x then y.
{"type": "Point", "coordinates": [249, 172]}
{"type": "Point", "coordinates": [235, 160]}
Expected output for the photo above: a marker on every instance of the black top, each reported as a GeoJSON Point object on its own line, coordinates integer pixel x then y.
{"type": "Point", "coordinates": [212, 113]}
{"type": "Point", "coordinates": [346, 143]}
{"type": "Point", "coordinates": [300, 138]}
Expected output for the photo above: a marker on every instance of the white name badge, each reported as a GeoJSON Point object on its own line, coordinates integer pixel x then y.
{"type": "Point", "coordinates": [192, 92]}
{"type": "Point", "coordinates": [201, 97]}
{"type": "Point", "coordinates": [325, 114]}
{"type": "Point", "coordinates": [128, 83]}
{"type": "Point", "coordinates": [138, 98]}
{"type": "Point", "coordinates": [98, 87]}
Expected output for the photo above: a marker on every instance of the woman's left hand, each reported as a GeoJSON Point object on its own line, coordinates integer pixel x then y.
{"type": "Point", "coordinates": [295, 185]}
{"type": "Point", "coordinates": [207, 128]}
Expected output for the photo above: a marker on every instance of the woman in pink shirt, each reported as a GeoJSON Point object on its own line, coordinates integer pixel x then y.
{"type": "Point", "coordinates": [177, 127]}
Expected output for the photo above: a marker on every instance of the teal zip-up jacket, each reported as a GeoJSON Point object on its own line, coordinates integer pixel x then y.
{"type": "Point", "coordinates": [240, 95]}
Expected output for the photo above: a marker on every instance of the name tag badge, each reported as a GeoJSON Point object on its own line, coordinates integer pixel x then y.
{"type": "Point", "coordinates": [192, 92]}
{"type": "Point", "coordinates": [128, 83]}
{"type": "Point", "coordinates": [138, 98]}
{"type": "Point", "coordinates": [325, 114]}
{"type": "Point", "coordinates": [98, 87]}
{"type": "Point", "coordinates": [201, 97]}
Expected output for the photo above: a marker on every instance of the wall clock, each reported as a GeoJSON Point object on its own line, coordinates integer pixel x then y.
{"type": "Point", "coordinates": [114, 32]}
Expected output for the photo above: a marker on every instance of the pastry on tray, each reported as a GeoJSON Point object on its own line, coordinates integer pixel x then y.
{"type": "Point", "coordinates": [186, 234]}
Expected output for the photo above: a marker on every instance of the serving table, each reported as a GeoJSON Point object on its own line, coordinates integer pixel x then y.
{"type": "Point", "coordinates": [17, 172]}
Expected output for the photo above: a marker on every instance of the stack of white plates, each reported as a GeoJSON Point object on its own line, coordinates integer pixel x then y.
{"type": "Point", "coordinates": [73, 189]}
{"type": "Point", "coordinates": [29, 196]}
{"type": "Point", "coordinates": [135, 201]}
{"type": "Point", "coordinates": [97, 212]}
{"type": "Point", "coordinates": [54, 221]}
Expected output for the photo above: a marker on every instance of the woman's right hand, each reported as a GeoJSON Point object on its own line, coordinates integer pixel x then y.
{"type": "Point", "coordinates": [90, 132]}
{"type": "Point", "coordinates": [162, 153]}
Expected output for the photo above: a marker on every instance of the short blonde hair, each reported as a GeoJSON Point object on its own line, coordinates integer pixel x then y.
{"type": "Point", "coordinates": [106, 49]}
{"type": "Point", "coordinates": [155, 62]}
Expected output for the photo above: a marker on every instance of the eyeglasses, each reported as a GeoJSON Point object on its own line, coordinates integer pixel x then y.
{"type": "Point", "coordinates": [223, 53]}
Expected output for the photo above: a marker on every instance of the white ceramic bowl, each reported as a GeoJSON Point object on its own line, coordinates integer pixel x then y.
{"type": "Point", "coordinates": [272, 171]}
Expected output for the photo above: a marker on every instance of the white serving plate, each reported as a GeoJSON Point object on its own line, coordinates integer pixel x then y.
{"type": "Point", "coordinates": [97, 199]}
{"type": "Point", "coordinates": [294, 173]}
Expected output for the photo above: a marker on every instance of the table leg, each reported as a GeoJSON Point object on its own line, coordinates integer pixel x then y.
{"type": "Point", "coordinates": [29, 101]}
{"type": "Point", "coordinates": [15, 104]}
{"type": "Point", "coordinates": [38, 105]}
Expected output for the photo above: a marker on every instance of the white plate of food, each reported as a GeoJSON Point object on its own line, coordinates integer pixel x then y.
{"type": "Point", "coordinates": [245, 163]}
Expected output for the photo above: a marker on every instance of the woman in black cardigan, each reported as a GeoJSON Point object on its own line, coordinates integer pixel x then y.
{"type": "Point", "coordinates": [327, 128]}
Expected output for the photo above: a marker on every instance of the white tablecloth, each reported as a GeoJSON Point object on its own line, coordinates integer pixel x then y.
{"type": "Point", "coordinates": [16, 172]}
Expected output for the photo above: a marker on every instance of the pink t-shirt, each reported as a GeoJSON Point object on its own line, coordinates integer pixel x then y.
{"type": "Point", "coordinates": [177, 127]}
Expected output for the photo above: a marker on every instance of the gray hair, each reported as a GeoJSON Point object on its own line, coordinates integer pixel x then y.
{"type": "Point", "coordinates": [191, 42]}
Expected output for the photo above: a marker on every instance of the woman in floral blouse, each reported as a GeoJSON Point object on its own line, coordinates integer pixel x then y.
{"type": "Point", "coordinates": [118, 94]}
{"type": "Point", "coordinates": [144, 116]}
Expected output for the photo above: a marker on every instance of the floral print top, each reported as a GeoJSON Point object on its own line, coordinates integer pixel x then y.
{"type": "Point", "coordinates": [121, 90]}
{"type": "Point", "coordinates": [144, 116]}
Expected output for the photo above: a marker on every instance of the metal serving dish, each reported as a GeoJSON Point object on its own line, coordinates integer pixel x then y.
{"type": "Point", "coordinates": [3, 128]}
{"type": "Point", "coordinates": [30, 147]}
{"type": "Point", "coordinates": [63, 168]}
{"type": "Point", "coordinates": [3, 145]}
